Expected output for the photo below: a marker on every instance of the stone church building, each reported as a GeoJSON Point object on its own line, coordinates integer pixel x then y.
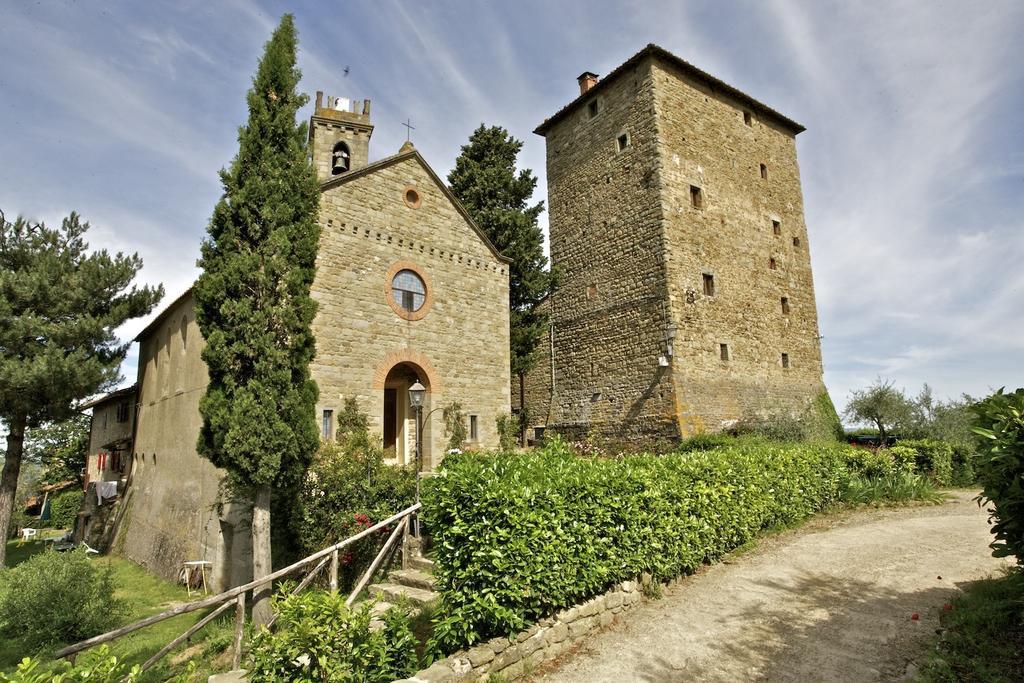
{"type": "Point", "coordinates": [686, 300]}
{"type": "Point", "coordinates": [408, 289]}
{"type": "Point", "coordinates": [676, 217]}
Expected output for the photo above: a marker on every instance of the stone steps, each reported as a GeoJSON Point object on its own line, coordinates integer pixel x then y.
{"type": "Point", "coordinates": [414, 578]}
{"type": "Point", "coordinates": [425, 564]}
{"type": "Point", "coordinates": [396, 592]}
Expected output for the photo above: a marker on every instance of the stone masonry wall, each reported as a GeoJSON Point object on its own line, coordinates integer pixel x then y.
{"type": "Point", "coordinates": [461, 343]}
{"type": "Point", "coordinates": [708, 141]}
{"type": "Point", "coordinates": [514, 657]}
{"type": "Point", "coordinates": [609, 313]}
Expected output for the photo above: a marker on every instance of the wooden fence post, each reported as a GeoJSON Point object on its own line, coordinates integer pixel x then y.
{"type": "Point", "coordinates": [236, 663]}
{"type": "Point", "coordinates": [334, 572]}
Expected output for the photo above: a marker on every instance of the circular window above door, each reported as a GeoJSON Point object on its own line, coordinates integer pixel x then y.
{"type": "Point", "coordinates": [408, 291]}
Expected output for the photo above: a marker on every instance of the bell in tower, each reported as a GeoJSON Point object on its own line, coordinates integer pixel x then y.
{"type": "Point", "coordinates": [339, 136]}
{"type": "Point", "coordinates": [341, 159]}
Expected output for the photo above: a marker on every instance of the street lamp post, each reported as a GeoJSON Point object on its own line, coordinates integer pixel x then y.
{"type": "Point", "coordinates": [416, 394]}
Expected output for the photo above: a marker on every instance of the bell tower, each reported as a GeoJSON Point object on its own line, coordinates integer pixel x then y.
{"type": "Point", "coordinates": [339, 135]}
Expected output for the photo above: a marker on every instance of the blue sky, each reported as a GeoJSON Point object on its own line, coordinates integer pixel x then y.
{"type": "Point", "coordinates": [912, 164]}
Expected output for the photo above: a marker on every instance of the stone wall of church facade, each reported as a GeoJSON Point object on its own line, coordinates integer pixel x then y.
{"type": "Point", "coordinates": [663, 190]}
{"type": "Point", "coordinates": [458, 341]}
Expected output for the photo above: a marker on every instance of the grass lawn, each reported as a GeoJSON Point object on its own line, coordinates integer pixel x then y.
{"type": "Point", "coordinates": [145, 595]}
{"type": "Point", "coordinates": [983, 638]}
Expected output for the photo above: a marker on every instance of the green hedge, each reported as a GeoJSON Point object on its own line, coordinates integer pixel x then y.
{"type": "Point", "coordinates": [1000, 466]}
{"type": "Point", "coordinates": [934, 458]}
{"type": "Point", "coordinates": [518, 537]}
{"type": "Point", "coordinates": [64, 509]}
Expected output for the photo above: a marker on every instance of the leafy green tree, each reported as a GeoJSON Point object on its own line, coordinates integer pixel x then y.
{"type": "Point", "coordinates": [253, 304]}
{"type": "Point", "coordinates": [497, 197]}
{"type": "Point", "coordinates": [454, 426]}
{"type": "Point", "coordinates": [59, 306]}
{"type": "Point", "coordinates": [882, 405]}
{"type": "Point", "coordinates": [61, 447]}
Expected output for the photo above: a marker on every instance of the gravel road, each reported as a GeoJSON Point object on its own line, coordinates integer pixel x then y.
{"type": "Point", "coordinates": [831, 601]}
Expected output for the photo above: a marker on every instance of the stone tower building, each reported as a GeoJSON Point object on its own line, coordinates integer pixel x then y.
{"type": "Point", "coordinates": [676, 216]}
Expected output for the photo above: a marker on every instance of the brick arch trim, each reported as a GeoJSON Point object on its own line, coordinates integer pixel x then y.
{"type": "Point", "coordinates": [412, 357]}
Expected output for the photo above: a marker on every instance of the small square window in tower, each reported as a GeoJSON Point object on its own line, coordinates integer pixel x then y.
{"type": "Point", "coordinates": [776, 227]}
{"type": "Point", "coordinates": [723, 351]}
{"type": "Point", "coordinates": [772, 263]}
{"type": "Point", "coordinates": [622, 142]}
{"type": "Point", "coordinates": [696, 197]}
{"type": "Point", "coordinates": [593, 108]}
{"type": "Point", "coordinates": [785, 360]}
{"type": "Point", "coordinates": [709, 284]}
{"type": "Point", "coordinates": [764, 172]}
{"type": "Point", "coordinates": [796, 241]}
{"type": "Point", "coordinates": [785, 305]}
{"type": "Point", "coordinates": [748, 118]}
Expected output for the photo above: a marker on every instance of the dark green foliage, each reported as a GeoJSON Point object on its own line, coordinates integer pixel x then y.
{"type": "Point", "coordinates": [934, 458]}
{"type": "Point", "coordinates": [824, 422]}
{"type": "Point", "coordinates": [346, 490]}
{"type": "Point", "coordinates": [486, 182]}
{"type": "Point", "coordinates": [252, 298]}
{"type": "Point", "coordinates": [60, 447]}
{"type": "Point", "coordinates": [353, 426]}
{"type": "Point", "coordinates": [56, 598]}
{"type": "Point", "coordinates": [454, 426]}
{"type": "Point", "coordinates": [518, 538]}
{"type": "Point", "coordinates": [64, 508]}
{"type": "Point", "coordinates": [59, 306]}
{"type": "Point", "coordinates": [317, 638]}
{"type": "Point", "coordinates": [963, 465]}
{"type": "Point", "coordinates": [705, 442]}
{"type": "Point", "coordinates": [1000, 468]}
{"type": "Point", "coordinates": [983, 635]}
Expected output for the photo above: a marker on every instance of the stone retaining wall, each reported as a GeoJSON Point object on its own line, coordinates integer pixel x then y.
{"type": "Point", "coordinates": [545, 640]}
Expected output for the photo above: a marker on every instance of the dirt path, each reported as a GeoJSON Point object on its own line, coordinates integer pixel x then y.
{"type": "Point", "coordinates": [831, 601]}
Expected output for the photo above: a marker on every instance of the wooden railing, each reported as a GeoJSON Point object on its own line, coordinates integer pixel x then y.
{"type": "Point", "coordinates": [236, 596]}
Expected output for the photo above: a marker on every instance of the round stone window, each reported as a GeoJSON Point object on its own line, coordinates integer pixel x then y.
{"type": "Point", "coordinates": [408, 290]}
{"type": "Point", "coordinates": [412, 198]}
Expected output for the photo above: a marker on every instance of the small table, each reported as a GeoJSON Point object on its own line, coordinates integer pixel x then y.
{"type": "Point", "coordinates": [189, 569]}
{"type": "Point", "coordinates": [28, 533]}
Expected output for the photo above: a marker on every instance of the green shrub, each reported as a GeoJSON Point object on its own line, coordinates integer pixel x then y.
{"type": "Point", "coordinates": [57, 597]}
{"type": "Point", "coordinates": [904, 458]}
{"type": "Point", "coordinates": [508, 432]}
{"type": "Point", "coordinates": [963, 465]}
{"type": "Point", "coordinates": [518, 538]}
{"type": "Point", "coordinates": [317, 638]}
{"type": "Point", "coordinates": [64, 508]}
{"type": "Point", "coordinates": [934, 458]}
{"type": "Point", "coordinates": [95, 666]}
{"type": "Point", "coordinates": [1000, 468]}
{"type": "Point", "coordinates": [454, 426]}
{"type": "Point", "coordinates": [869, 463]}
{"type": "Point", "coordinates": [346, 489]}
{"type": "Point", "coordinates": [705, 442]}
{"type": "Point", "coordinates": [899, 487]}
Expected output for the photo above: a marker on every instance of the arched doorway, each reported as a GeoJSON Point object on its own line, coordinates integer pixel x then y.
{"type": "Point", "coordinates": [399, 418]}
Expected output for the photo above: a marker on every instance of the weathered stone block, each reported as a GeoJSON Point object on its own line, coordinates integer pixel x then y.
{"type": "Point", "coordinates": [479, 655]}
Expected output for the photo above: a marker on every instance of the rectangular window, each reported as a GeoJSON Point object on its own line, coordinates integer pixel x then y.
{"type": "Point", "coordinates": [592, 108]}
{"type": "Point", "coordinates": [776, 227]}
{"type": "Point", "coordinates": [748, 118]}
{"type": "Point", "coordinates": [723, 351]}
{"type": "Point", "coordinates": [796, 241]}
{"type": "Point", "coordinates": [709, 284]}
{"type": "Point", "coordinates": [772, 265]}
{"type": "Point", "coordinates": [474, 431]}
{"type": "Point", "coordinates": [122, 411]}
{"type": "Point", "coordinates": [696, 197]}
{"type": "Point", "coordinates": [785, 305]}
{"type": "Point", "coordinates": [785, 360]}
{"type": "Point", "coordinates": [327, 428]}
{"type": "Point", "coordinates": [623, 141]}
{"type": "Point", "coordinates": [764, 172]}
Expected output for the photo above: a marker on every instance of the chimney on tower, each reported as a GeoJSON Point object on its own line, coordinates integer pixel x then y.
{"type": "Point", "coordinates": [587, 80]}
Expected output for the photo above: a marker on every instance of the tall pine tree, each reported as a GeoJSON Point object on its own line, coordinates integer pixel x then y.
{"type": "Point", "coordinates": [253, 304]}
{"type": "Point", "coordinates": [497, 197]}
{"type": "Point", "coordinates": [59, 307]}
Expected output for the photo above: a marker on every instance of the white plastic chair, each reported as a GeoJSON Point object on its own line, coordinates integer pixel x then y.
{"type": "Point", "coordinates": [27, 533]}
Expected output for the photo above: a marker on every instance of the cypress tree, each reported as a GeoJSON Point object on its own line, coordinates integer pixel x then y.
{"type": "Point", "coordinates": [253, 304]}
{"type": "Point", "coordinates": [59, 307]}
{"type": "Point", "coordinates": [497, 197]}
